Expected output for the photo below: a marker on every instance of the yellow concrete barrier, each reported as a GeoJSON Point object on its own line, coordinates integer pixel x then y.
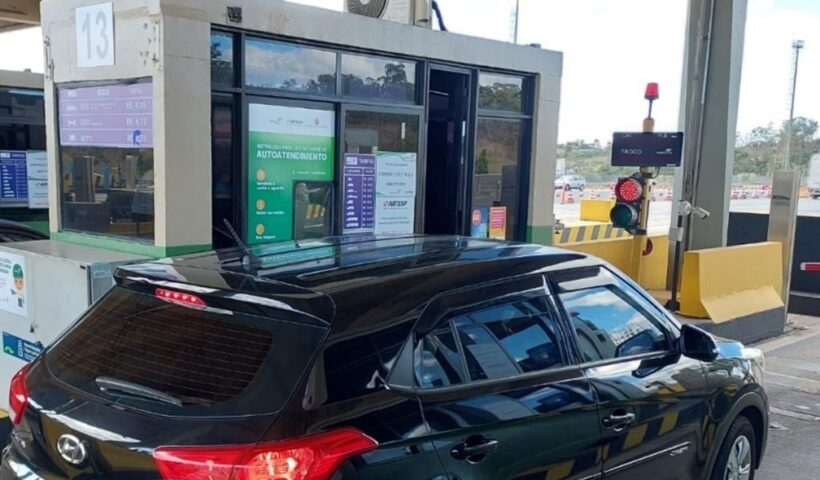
{"type": "Point", "coordinates": [618, 252]}
{"type": "Point", "coordinates": [731, 282]}
{"type": "Point", "coordinates": [595, 210]}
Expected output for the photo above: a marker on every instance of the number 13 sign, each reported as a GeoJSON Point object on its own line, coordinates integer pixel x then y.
{"type": "Point", "coordinates": [94, 26]}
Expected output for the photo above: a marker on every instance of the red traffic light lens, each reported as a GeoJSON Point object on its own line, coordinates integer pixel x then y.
{"type": "Point", "coordinates": [628, 190]}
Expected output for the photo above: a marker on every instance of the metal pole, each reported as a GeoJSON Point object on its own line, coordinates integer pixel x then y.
{"type": "Point", "coordinates": [796, 45]}
{"type": "Point", "coordinates": [517, 10]}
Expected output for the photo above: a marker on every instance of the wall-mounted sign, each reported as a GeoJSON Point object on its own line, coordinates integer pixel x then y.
{"type": "Point", "coordinates": [13, 181]}
{"type": "Point", "coordinates": [642, 149]}
{"type": "Point", "coordinates": [359, 183]}
{"type": "Point", "coordinates": [21, 348]}
{"type": "Point", "coordinates": [94, 32]}
{"type": "Point", "coordinates": [13, 282]}
{"type": "Point", "coordinates": [287, 146]}
{"type": "Point", "coordinates": [395, 193]}
{"type": "Point", "coordinates": [119, 116]}
{"type": "Point", "coordinates": [37, 175]}
{"type": "Point", "coordinates": [480, 222]}
{"type": "Point", "coordinates": [498, 223]}
{"type": "Point", "coordinates": [396, 174]}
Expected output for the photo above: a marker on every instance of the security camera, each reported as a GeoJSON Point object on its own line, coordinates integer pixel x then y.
{"type": "Point", "coordinates": [701, 213]}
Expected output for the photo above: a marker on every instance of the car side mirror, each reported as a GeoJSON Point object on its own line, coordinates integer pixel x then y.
{"type": "Point", "coordinates": [698, 344]}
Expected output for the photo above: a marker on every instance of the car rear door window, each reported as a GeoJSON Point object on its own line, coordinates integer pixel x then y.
{"type": "Point", "coordinates": [214, 362]}
{"type": "Point", "coordinates": [609, 320]}
{"type": "Point", "coordinates": [493, 338]}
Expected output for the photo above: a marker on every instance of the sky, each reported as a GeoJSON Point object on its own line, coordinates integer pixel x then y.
{"type": "Point", "coordinates": [611, 50]}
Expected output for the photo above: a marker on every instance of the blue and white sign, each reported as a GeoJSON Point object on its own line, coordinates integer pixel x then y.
{"type": "Point", "coordinates": [13, 177]}
{"type": "Point", "coordinates": [20, 347]}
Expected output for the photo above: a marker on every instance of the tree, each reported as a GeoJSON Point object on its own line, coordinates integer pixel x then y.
{"type": "Point", "coordinates": [482, 165]}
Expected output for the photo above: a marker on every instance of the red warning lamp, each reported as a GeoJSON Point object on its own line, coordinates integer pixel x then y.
{"type": "Point", "coordinates": [628, 190]}
{"type": "Point", "coordinates": [180, 298]}
{"type": "Point", "coordinates": [652, 92]}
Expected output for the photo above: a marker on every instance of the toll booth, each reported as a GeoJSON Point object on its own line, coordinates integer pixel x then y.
{"type": "Point", "coordinates": [23, 163]}
{"type": "Point", "coordinates": [165, 118]}
{"type": "Point", "coordinates": [290, 122]}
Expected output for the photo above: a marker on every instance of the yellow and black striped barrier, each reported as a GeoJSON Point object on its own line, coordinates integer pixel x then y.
{"type": "Point", "coordinates": [588, 233]}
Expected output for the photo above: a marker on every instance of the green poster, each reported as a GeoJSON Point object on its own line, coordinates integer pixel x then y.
{"type": "Point", "coordinates": [289, 148]}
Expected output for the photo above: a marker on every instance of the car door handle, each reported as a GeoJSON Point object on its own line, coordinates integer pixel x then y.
{"type": "Point", "coordinates": [474, 449]}
{"type": "Point", "coordinates": [618, 421]}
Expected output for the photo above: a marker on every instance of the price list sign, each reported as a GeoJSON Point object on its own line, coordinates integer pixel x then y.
{"type": "Point", "coordinates": [13, 178]}
{"type": "Point", "coordinates": [119, 116]}
{"type": "Point", "coordinates": [359, 193]}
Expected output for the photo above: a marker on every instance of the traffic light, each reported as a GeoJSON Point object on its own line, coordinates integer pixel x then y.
{"type": "Point", "coordinates": [626, 213]}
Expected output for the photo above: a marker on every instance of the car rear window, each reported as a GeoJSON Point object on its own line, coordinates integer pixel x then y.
{"type": "Point", "coordinates": [212, 361]}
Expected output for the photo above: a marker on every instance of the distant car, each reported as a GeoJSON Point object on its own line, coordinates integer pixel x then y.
{"type": "Point", "coordinates": [17, 232]}
{"type": "Point", "coordinates": [571, 182]}
{"type": "Point", "coordinates": [417, 358]}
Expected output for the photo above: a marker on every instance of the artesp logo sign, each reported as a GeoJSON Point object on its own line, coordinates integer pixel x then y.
{"type": "Point", "coordinates": [395, 203]}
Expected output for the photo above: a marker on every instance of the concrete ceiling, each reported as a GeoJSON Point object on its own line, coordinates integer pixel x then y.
{"type": "Point", "coordinates": [15, 14]}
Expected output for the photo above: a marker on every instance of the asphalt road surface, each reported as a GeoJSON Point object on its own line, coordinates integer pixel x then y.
{"type": "Point", "coordinates": [793, 384]}
{"type": "Point", "coordinates": [661, 211]}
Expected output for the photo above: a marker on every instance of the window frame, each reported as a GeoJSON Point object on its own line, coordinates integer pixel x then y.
{"type": "Point", "coordinates": [662, 323]}
{"type": "Point", "coordinates": [433, 318]}
{"type": "Point", "coordinates": [61, 228]}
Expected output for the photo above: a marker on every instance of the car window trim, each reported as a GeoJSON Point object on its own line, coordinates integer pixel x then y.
{"type": "Point", "coordinates": [579, 359]}
{"type": "Point", "coordinates": [492, 385]}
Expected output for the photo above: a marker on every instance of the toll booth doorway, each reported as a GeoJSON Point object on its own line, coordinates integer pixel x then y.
{"type": "Point", "coordinates": [447, 151]}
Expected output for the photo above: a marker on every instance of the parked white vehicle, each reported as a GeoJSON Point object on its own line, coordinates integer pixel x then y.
{"type": "Point", "coordinates": [571, 182]}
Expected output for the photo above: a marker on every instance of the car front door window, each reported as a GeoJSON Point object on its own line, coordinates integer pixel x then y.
{"type": "Point", "coordinates": [640, 382]}
{"type": "Point", "coordinates": [609, 323]}
{"type": "Point", "coordinates": [486, 341]}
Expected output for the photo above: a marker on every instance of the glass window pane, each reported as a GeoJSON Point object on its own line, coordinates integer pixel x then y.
{"type": "Point", "coordinates": [495, 174]}
{"type": "Point", "coordinates": [500, 92]}
{"type": "Point", "coordinates": [371, 132]}
{"type": "Point", "coordinates": [222, 66]}
{"type": "Point", "coordinates": [607, 321]}
{"type": "Point", "coordinates": [222, 165]}
{"type": "Point", "coordinates": [438, 362]}
{"type": "Point", "coordinates": [108, 190]}
{"type": "Point", "coordinates": [378, 78]}
{"type": "Point", "coordinates": [499, 338]}
{"type": "Point", "coordinates": [290, 67]}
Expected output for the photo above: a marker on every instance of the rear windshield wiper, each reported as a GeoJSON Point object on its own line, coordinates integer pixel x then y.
{"type": "Point", "coordinates": [116, 386]}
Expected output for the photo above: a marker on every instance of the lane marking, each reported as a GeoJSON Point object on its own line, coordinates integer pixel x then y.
{"type": "Point", "coordinates": [796, 415]}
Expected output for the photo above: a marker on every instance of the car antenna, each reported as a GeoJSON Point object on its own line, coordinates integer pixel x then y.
{"type": "Point", "coordinates": [250, 262]}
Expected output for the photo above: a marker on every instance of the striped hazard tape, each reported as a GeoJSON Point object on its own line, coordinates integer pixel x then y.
{"type": "Point", "coordinates": [588, 233]}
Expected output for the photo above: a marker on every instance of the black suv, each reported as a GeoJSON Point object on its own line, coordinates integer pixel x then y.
{"type": "Point", "coordinates": [429, 358]}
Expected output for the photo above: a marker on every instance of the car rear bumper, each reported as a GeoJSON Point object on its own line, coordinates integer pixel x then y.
{"type": "Point", "coordinates": [14, 469]}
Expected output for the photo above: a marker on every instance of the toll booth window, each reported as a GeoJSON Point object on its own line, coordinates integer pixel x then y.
{"type": "Point", "coordinates": [108, 191]}
{"type": "Point", "coordinates": [22, 119]}
{"type": "Point", "coordinates": [222, 64]}
{"type": "Point", "coordinates": [500, 92]}
{"type": "Point", "coordinates": [107, 159]}
{"type": "Point", "coordinates": [289, 67]}
{"type": "Point", "coordinates": [377, 78]}
{"type": "Point", "coordinates": [496, 175]}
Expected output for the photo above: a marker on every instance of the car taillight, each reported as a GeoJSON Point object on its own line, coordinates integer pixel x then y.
{"type": "Point", "coordinates": [18, 395]}
{"type": "Point", "coordinates": [315, 457]}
